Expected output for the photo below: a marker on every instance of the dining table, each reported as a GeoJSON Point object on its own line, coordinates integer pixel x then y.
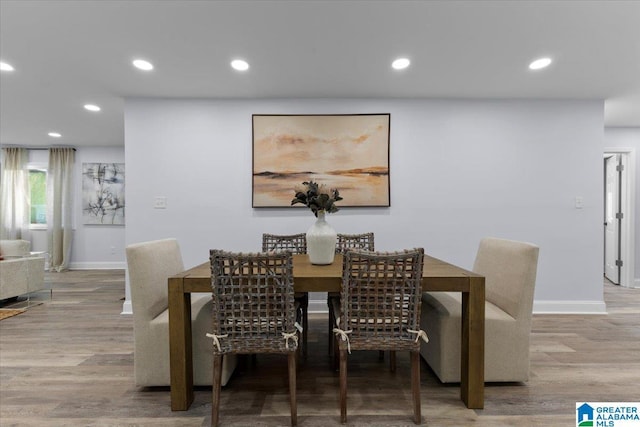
{"type": "Point", "coordinates": [437, 276]}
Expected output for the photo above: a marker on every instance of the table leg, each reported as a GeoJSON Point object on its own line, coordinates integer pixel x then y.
{"type": "Point", "coordinates": [472, 354]}
{"type": "Point", "coordinates": [180, 345]}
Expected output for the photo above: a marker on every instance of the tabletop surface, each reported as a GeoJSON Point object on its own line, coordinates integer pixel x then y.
{"type": "Point", "coordinates": [327, 278]}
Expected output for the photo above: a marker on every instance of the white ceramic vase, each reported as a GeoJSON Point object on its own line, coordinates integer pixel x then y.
{"type": "Point", "coordinates": [321, 241]}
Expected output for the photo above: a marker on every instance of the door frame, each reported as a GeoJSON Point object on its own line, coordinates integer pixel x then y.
{"type": "Point", "coordinates": [627, 198]}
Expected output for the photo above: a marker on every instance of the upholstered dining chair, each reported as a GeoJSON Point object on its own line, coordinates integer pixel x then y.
{"type": "Point", "coordinates": [296, 244]}
{"type": "Point", "coordinates": [509, 268]}
{"type": "Point", "coordinates": [379, 309]}
{"type": "Point", "coordinates": [149, 265]}
{"type": "Point", "coordinates": [253, 312]}
{"type": "Point", "coordinates": [364, 241]}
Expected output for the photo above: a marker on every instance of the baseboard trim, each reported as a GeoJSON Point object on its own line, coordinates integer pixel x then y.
{"type": "Point", "coordinates": [127, 308]}
{"type": "Point", "coordinates": [318, 306]}
{"type": "Point", "coordinates": [569, 307]}
{"type": "Point", "coordinates": [539, 307]}
{"type": "Point", "coordinates": [97, 265]}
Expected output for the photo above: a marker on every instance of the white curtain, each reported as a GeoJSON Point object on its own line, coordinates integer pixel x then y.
{"type": "Point", "coordinates": [59, 207]}
{"type": "Point", "coordinates": [14, 194]}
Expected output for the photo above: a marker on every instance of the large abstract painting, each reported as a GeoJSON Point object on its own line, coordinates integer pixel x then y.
{"type": "Point", "coordinates": [103, 193]}
{"type": "Point", "coordinates": [347, 152]}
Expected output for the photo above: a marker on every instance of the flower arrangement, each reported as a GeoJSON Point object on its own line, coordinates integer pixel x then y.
{"type": "Point", "coordinates": [316, 197]}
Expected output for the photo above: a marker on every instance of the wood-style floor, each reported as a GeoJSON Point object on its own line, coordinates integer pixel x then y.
{"type": "Point", "coordinates": [69, 362]}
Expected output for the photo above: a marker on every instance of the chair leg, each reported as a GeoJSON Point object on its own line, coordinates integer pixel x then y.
{"type": "Point", "coordinates": [305, 328]}
{"type": "Point", "coordinates": [292, 389]}
{"type": "Point", "coordinates": [415, 386]}
{"type": "Point", "coordinates": [332, 321]}
{"type": "Point", "coordinates": [392, 360]}
{"type": "Point", "coordinates": [299, 351]}
{"type": "Point", "coordinates": [343, 386]}
{"type": "Point", "coordinates": [217, 377]}
{"type": "Point", "coordinates": [335, 362]}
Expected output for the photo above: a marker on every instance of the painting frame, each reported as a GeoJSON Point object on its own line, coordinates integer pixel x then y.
{"type": "Point", "coordinates": [103, 193]}
{"type": "Point", "coordinates": [349, 152]}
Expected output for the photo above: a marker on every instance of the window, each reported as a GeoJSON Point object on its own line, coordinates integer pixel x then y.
{"type": "Point", "coordinates": [38, 191]}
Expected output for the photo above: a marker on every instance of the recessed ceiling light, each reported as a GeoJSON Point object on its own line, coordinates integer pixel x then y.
{"type": "Point", "coordinates": [141, 64]}
{"type": "Point", "coordinates": [540, 63]}
{"type": "Point", "coordinates": [401, 63]}
{"type": "Point", "coordinates": [91, 107]}
{"type": "Point", "coordinates": [54, 134]}
{"type": "Point", "coordinates": [6, 67]}
{"type": "Point", "coordinates": [240, 65]}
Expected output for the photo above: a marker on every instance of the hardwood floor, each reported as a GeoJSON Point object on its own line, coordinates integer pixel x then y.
{"type": "Point", "coordinates": [69, 361]}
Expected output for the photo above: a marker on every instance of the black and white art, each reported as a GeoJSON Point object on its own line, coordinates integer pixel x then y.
{"type": "Point", "coordinates": [103, 193]}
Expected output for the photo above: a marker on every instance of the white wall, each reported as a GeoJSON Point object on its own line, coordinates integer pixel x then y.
{"type": "Point", "coordinates": [629, 138]}
{"type": "Point", "coordinates": [460, 170]}
{"type": "Point", "coordinates": [92, 244]}
{"type": "Point", "coordinates": [97, 246]}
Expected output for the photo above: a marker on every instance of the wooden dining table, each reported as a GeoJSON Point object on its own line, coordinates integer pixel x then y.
{"type": "Point", "coordinates": [437, 276]}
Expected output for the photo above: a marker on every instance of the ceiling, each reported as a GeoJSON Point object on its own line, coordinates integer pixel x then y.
{"type": "Point", "coordinates": [69, 53]}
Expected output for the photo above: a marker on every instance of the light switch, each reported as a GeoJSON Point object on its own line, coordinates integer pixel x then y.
{"type": "Point", "coordinates": [579, 204]}
{"type": "Point", "coordinates": [160, 203]}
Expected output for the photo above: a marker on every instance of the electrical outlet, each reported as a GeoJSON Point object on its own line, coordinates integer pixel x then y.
{"type": "Point", "coordinates": [160, 203]}
{"type": "Point", "coordinates": [579, 202]}
{"type": "Point", "coordinates": [113, 250]}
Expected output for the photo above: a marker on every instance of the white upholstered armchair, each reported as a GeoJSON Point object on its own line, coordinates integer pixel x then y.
{"type": "Point", "coordinates": [150, 264]}
{"type": "Point", "coordinates": [510, 269]}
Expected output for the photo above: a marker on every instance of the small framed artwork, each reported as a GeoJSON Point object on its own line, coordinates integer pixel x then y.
{"type": "Point", "coordinates": [349, 152]}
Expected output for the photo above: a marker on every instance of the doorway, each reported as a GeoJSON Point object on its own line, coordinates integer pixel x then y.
{"type": "Point", "coordinates": [612, 217]}
{"type": "Point", "coordinates": [618, 215]}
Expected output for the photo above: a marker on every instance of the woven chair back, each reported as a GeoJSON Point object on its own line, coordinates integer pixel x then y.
{"type": "Point", "coordinates": [253, 301]}
{"type": "Point", "coordinates": [296, 243]}
{"type": "Point", "coordinates": [380, 299]}
{"type": "Point", "coordinates": [362, 241]}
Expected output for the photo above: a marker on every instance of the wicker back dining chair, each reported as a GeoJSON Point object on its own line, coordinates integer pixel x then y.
{"type": "Point", "coordinates": [364, 241]}
{"type": "Point", "coordinates": [380, 310]}
{"type": "Point", "coordinates": [253, 312]}
{"type": "Point", "coordinates": [296, 244]}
